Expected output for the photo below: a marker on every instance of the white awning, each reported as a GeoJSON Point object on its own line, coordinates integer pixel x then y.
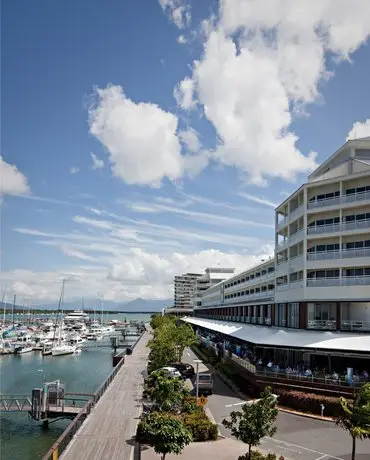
{"type": "Point", "coordinates": [289, 338]}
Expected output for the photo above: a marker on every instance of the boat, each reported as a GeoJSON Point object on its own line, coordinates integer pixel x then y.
{"type": "Point", "coordinates": [77, 316]}
{"type": "Point", "coordinates": [63, 349]}
{"type": "Point", "coordinates": [21, 349]}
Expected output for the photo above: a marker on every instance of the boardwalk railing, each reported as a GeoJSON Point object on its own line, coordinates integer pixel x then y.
{"type": "Point", "coordinates": [62, 442]}
{"type": "Point", "coordinates": [15, 403]}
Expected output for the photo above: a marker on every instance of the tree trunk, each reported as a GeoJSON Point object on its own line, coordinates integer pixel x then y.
{"type": "Point", "coordinates": [249, 452]}
{"type": "Point", "coordinates": [163, 456]}
{"type": "Point", "coordinates": [353, 448]}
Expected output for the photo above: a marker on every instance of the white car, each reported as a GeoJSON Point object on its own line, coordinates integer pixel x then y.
{"type": "Point", "coordinates": [171, 371]}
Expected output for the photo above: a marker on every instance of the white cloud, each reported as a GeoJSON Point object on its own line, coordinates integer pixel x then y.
{"type": "Point", "coordinates": [197, 216]}
{"type": "Point", "coordinates": [98, 163]}
{"type": "Point", "coordinates": [178, 11]}
{"type": "Point", "coordinates": [12, 181]}
{"type": "Point", "coordinates": [184, 94]}
{"type": "Point", "coordinates": [140, 137]}
{"type": "Point", "coordinates": [258, 67]}
{"type": "Point", "coordinates": [74, 170]}
{"type": "Point", "coordinates": [258, 199]}
{"type": "Point", "coordinates": [359, 129]}
{"type": "Point", "coordinates": [182, 40]}
{"type": "Point", "coordinates": [190, 138]}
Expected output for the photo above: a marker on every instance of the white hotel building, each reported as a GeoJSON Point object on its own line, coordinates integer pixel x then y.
{"type": "Point", "coordinates": [319, 279]}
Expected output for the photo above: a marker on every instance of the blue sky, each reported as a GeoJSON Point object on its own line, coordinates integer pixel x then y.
{"type": "Point", "coordinates": [197, 130]}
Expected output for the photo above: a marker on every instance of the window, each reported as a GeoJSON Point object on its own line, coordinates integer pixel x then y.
{"type": "Point", "coordinates": [293, 315]}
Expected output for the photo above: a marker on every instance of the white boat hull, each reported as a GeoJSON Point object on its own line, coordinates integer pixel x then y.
{"type": "Point", "coordinates": [63, 350]}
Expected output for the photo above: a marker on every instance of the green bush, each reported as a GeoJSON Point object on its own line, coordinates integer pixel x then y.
{"type": "Point", "coordinates": [309, 402]}
{"type": "Point", "coordinates": [256, 455]}
{"type": "Point", "coordinates": [201, 428]}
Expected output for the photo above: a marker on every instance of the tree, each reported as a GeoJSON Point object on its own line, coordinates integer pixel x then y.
{"type": "Point", "coordinates": [254, 421]}
{"type": "Point", "coordinates": [166, 433]}
{"type": "Point", "coordinates": [168, 393]}
{"type": "Point", "coordinates": [355, 416]}
{"type": "Point", "coordinates": [184, 337]}
{"type": "Point", "coordinates": [157, 320]}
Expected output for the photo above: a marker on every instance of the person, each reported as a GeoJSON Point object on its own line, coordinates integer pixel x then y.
{"type": "Point", "coordinates": [308, 372]}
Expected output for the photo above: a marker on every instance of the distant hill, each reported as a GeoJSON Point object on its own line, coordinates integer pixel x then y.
{"type": "Point", "coordinates": [138, 304]}
{"type": "Point", "coordinates": [145, 305]}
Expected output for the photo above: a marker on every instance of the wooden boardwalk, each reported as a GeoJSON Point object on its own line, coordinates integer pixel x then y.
{"type": "Point", "coordinates": [108, 432]}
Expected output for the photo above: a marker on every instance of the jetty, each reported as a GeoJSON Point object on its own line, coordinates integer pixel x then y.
{"type": "Point", "coordinates": [105, 427]}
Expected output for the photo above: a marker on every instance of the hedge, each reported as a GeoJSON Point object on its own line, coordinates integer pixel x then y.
{"type": "Point", "coordinates": [200, 426]}
{"type": "Point", "coordinates": [309, 402]}
{"type": "Point", "coordinates": [255, 455]}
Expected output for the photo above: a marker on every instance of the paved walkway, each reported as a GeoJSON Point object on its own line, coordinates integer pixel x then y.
{"type": "Point", "coordinates": [108, 432]}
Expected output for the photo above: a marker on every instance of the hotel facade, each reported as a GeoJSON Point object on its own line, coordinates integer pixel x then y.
{"type": "Point", "coordinates": [319, 278]}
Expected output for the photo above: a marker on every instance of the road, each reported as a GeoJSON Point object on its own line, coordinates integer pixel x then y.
{"type": "Point", "coordinates": [297, 437]}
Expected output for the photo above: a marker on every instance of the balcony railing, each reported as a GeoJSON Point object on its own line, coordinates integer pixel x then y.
{"type": "Point", "coordinates": [339, 227]}
{"type": "Point", "coordinates": [296, 212]}
{"type": "Point", "coordinates": [352, 198]}
{"type": "Point", "coordinates": [329, 325]}
{"type": "Point", "coordinates": [339, 254]}
{"type": "Point", "coordinates": [352, 325]}
{"type": "Point", "coordinates": [296, 236]}
{"type": "Point", "coordinates": [344, 281]}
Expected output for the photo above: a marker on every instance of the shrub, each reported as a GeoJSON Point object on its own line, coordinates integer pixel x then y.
{"type": "Point", "coordinates": [256, 455]}
{"type": "Point", "coordinates": [200, 426]}
{"type": "Point", "coordinates": [309, 402]}
{"type": "Point", "coordinates": [190, 405]}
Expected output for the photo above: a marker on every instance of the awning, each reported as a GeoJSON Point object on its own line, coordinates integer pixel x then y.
{"type": "Point", "coordinates": [289, 338]}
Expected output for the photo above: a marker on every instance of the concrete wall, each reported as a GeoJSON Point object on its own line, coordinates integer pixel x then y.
{"type": "Point", "coordinates": [356, 311]}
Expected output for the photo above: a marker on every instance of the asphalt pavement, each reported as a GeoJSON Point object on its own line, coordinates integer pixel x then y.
{"type": "Point", "coordinates": [297, 437]}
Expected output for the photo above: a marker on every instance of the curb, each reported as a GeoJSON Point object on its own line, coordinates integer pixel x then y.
{"type": "Point", "coordinates": [212, 419]}
{"type": "Point", "coordinates": [303, 414]}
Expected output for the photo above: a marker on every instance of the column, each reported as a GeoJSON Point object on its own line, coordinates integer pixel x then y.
{"type": "Point", "coordinates": [339, 316]}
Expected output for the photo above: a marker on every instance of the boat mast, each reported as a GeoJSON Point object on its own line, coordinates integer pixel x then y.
{"type": "Point", "coordinates": [58, 313]}
{"type": "Point", "coordinates": [13, 306]}
{"type": "Point", "coordinates": [102, 309]}
{"type": "Point", "coordinates": [3, 300]}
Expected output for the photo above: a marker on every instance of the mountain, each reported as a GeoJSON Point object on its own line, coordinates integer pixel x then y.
{"type": "Point", "coordinates": [145, 305]}
{"type": "Point", "coordinates": [138, 304]}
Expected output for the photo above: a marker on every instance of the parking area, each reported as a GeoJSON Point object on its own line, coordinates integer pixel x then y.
{"type": "Point", "coordinates": [297, 438]}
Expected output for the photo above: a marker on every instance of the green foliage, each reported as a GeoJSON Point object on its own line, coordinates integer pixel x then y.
{"type": "Point", "coordinates": [189, 405]}
{"type": "Point", "coordinates": [158, 320]}
{"type": "Point", "coordinates": [355, 416]}
{"type": "Point", "coordinates": [201, 427]}
{"type": "Point", "coordinates": [168, 393]}
{"type": "Point", "coordinates": [165, 432]}
{"type": "Point", "coordinates": [255, 455]}
{"type": "Point", "coordinates": [254, 421]}
{"type": "Point", "coordinates": [169, 341]}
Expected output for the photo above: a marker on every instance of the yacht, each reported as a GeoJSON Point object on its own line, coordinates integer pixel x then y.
{"type": "Point", "coordinates": [77, 316]}
{"type": "Point", "coordinates": [63, 349]}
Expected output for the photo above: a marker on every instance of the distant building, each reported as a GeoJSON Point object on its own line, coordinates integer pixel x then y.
{"type": "Point", "coordinates": [190, 286]}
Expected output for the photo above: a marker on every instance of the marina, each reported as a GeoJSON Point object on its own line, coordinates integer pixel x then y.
{"type": "Point", "coordinates": [81, 372]}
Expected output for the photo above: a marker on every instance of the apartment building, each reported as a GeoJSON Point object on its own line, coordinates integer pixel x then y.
{"type": "Point", "coordinates": [319, 278]}
{"type": "Point", "coordinates": [211, 277]}
{"type": "Point", "coordinates": [184, 286]}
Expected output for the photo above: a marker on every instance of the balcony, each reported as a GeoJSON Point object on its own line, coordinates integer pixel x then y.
{"type": "Point", "coordinates": [354, 326]}
{"type": "Point", "coordinates": [296, 236]}
{"type": "Point", "coordinates": [339, 227]}
{"type": "Point", "coordinates": [343, 254]}
{"type": "Point", "coordinates": [344, 199]}
{"type": "Point", "coordinates": [344, 281]}
{"type": "Point", "coordinates": [297, 212]}
{"type": "Point", "coordinates": [282, 244]}
{"type": "Point", "coordinates": [328, 325]}
{"type": "Point", "coordinates": [282, 223]}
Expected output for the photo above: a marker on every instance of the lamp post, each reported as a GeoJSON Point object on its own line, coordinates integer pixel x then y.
{"type": "Point", "coordinates": [197, 362]}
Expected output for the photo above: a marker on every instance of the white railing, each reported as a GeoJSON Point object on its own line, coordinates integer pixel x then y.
{"type": "Point", "coordinates": [352, 325]}
{"type": "Point", "coordinates": [352, 198]}
{"type": "Point", "coordinates": [296, 236]}
{"type": "Point", "coordinates": [356, 225]}
{"type": "Point", "coordinates": [339, 254]}
{"type": "Point", "coordinates": [344, 226]}
{"type": "Point", "coordinates": [322, 324]}
{"type": "Point", "coordinates": [344, 281]}
{"type": "Point", "coordinates": [282, 287]}
{"type": "Point", "coordinates": [283, 244]}
{"type": "Point", "coordinates": [330, 228]}
{"type": "Point", "coordinates": [296, 212]}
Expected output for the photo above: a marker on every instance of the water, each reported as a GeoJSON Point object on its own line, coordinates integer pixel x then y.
{"type": "Point", "coordinates": [22, 438]}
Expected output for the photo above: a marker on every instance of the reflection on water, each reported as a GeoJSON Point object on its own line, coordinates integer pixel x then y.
{"type": "Point", "coordinates": [22, 438]}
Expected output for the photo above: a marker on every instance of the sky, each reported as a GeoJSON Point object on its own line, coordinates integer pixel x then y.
{"type": "Point", "coordinates": [146, 138]}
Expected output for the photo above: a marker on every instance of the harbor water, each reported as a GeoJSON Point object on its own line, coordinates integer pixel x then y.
{"type": "Point", "coordinates": [23, 438]}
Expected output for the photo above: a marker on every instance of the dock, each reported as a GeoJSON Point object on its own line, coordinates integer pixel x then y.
{"type": "Point", "coordinates": [108, 432]}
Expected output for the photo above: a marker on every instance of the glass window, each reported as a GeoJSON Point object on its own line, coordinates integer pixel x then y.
{"type": "Point", "coordinates": [293, 315]}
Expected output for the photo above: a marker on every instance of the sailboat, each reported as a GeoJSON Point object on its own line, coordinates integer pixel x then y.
{"type": "Point", "coordinates": [61, 348]}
